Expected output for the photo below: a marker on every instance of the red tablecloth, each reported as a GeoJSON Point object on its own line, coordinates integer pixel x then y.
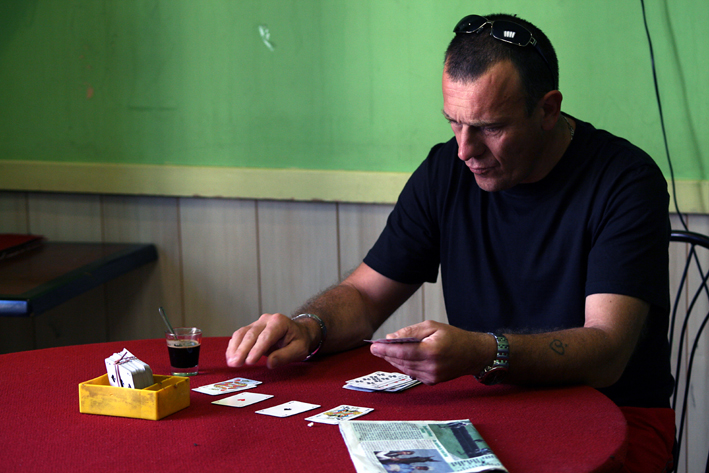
{"type": "Point", "coordinates": [541, 430]}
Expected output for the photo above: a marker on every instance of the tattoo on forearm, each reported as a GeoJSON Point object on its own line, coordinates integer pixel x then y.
{"type": "Point", "coordinates": [558, 346]}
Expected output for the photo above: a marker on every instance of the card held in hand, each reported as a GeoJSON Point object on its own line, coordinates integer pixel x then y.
{"type": "Point", "coordinates": [395, 340]}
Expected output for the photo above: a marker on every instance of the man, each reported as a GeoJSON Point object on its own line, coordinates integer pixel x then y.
{"type": "Point", "coordinates": [551, 238]}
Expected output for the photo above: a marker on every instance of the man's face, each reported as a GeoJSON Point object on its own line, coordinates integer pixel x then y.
{"type": "Point", "coordinates": [498, 141]}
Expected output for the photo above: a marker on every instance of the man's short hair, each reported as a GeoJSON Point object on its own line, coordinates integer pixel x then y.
{"type": "Point", "coordinates": [469, 55]}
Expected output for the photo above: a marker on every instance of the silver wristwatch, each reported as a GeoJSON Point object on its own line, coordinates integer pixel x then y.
{"type": "Point", "coordinates": [495, 372]}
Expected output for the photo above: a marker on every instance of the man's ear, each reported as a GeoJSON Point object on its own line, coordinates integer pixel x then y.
{"type": "Point", "coordinates": [550, 109]}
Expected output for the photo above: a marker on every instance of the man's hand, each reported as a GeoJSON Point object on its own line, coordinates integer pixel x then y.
{"type": "Point", "coordinates": [444, 353]}
{"type": "Point", "coordinates": [275, 335]}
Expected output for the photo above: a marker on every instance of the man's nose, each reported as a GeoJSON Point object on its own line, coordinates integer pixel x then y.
{"type": "Point", "coordinates": [469, 144]}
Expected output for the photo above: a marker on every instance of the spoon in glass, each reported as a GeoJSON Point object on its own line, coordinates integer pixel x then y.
{"type": "Point", "coordinates": [167, 322]}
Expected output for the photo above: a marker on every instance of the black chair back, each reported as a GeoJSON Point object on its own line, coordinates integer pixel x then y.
{"type": "Point", "coordinates": [691, 297]}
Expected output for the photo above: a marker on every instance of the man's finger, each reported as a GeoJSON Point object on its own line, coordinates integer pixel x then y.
{"type": "Point", "coordinates": [291, 352]}
{"type": "Point", "coordinates": [266, 341]}
{"type": "Point", "coordinates": [241, 344]}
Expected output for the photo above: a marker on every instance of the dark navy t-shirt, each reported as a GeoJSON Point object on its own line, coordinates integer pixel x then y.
{"type": "Point", "coordinates": [524, 259]}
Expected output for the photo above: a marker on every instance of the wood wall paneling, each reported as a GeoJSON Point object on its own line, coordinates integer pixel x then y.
{"type": "Point", "coordinates": [360, 226]}
{"type": "Point", "coordinates": [16, 333]}
{"type": "Point", "coordinates": [66, 217]}
{"type": "Point", "coordinates": [13, 212]}
{"type": "Point", "coordinates": [220, 264]}
{"type": "Point", "coordinates": [69, 217]}
{"type": "Point", "coordinates": [434, 306]}
{"type": "Point", "coordinates": [136, 219]}
{"type": "Point", "coordinates": [298, 254]}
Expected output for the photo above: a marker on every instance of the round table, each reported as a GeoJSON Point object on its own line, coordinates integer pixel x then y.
{"type": "Point", "coordinates": [574, 429]}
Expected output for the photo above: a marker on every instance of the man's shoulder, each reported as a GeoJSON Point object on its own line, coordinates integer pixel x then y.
{"type": "Point", "coordinates": [440, 166]}
{"type": "Point", "coordinates": [603, 143]}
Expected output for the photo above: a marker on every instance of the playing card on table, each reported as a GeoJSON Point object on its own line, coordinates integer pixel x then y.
{"type": "Point", "coordinates": [394, 340]}
{"type": "Point", "coordinates": [229, 386]}
{"type": "Point", "coordinates": [340, 414]}
{"type": "Point", "coordinates": [243, 399]}
{"type": "Point", "coordinates": [288, 409]}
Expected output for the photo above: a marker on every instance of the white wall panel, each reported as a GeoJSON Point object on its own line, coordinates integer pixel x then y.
{"type": "Point", "coordinates": [69, 217]}
{"type": "Point", "coordinates": [360, 226]}
{"type": "Point", "coordinates": [221, 277]}
{"type": "Point", "coordinates": [16, 333]}
{"type": "Point", "coordinates": [297, 253]}
{"type": "Point", "coordinates": [13, 212]}
{"type": "Point", "coordinates": [65, 217]}
{"type": "Point", "coordinates": [434, 307]}
{"type": "Point", "coordinates": [135, 219]}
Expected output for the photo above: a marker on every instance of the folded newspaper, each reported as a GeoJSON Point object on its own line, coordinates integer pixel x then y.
{"type": "Point", "coordinates": [405, 446]}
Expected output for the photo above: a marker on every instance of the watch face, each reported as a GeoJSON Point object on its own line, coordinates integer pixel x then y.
{"type": "Point", "coordinates": [494, 376]}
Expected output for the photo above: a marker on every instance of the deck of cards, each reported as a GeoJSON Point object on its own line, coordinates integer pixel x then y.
{"type": "Point", "coordinates": [126, 371]}
{"type": "Point", "coordinates": [382, 381]}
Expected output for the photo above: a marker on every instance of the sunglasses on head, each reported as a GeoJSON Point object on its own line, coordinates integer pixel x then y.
{"type": "Point", "coordinates": [504, 30]}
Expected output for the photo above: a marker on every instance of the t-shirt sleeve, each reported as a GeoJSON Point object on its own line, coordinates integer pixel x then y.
{"type": "Point", "coordinates": [408, 249]}
{"type": "Point", "coordinates": [629, 251]}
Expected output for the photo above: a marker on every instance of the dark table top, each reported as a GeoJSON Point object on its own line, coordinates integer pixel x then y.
{"type": "Point", "coordinates": [573, 429]}
{"type": "Point", "coordinates": [40, 279]}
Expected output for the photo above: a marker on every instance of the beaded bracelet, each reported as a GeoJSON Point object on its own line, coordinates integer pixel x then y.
{"type": "Point", "coordinates": [323, 331]}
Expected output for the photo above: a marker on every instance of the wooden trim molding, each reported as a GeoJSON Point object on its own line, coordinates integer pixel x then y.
{"type": "Point", "coordinates": [193, 181]}
{"type": "Point", "coordinates": [243, 183]}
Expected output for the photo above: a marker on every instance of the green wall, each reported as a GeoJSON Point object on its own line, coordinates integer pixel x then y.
{"type": "Point", "coordinates": [350, 85]}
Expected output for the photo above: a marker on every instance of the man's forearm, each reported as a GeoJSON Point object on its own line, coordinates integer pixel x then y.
{"type": "Point", "coordinates": [595, 354]}
{"type": "Point", "coordinates": [345, 315]}
{"type": "Point", "coordinates": [354, 309]}
{"type": "Point", "coordinates": [574, 356]}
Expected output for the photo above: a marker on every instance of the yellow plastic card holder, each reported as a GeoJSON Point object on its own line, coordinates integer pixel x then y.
{"type": "Point", "coordinates": [168, 395]}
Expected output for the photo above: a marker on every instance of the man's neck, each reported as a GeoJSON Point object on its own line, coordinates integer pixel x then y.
{"type": "Point", "coordinates": [559, 140]}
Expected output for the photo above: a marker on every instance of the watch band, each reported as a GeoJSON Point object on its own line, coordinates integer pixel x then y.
{"type": "Point", "coordinates": [323, 331]}
{"type": "Point", "coordinates": [500, 366]}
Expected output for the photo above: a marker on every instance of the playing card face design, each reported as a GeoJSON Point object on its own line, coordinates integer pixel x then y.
{"type": "Point", "coordinates": [228, 386]}
{"type": "Point", "coordinates": [340, 414]}
{"type": "Point", "coordinates": [243, 399]}
{"type": "Point", "coordinates": [288, 409]}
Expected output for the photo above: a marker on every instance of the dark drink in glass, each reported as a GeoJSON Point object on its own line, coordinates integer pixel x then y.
{"type": "Point", "coordinates": [184, 350]}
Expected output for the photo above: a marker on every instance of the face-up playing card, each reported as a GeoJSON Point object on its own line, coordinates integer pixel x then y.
{"type": "Point", "coordinates": [340, 414]}
{"type": "Point", "coordinates": [394, 340]}
{"type": "Point", "coordinates": [243, 399]}
{"type": "Point", "coordinates": [288, 409]}
{"type": "Point", "coordinates": [228, 386]}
